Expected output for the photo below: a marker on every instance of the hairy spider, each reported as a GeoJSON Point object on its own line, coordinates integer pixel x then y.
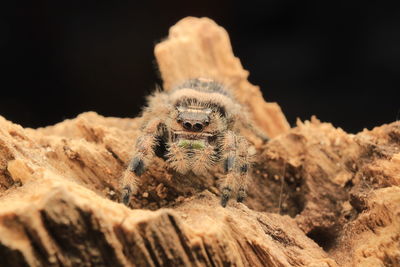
{"type": "Point", "coordinates": [194, 127]}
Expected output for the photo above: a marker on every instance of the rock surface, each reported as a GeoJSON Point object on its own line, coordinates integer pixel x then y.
{"type": "Point", "coordinates": [318, 196]}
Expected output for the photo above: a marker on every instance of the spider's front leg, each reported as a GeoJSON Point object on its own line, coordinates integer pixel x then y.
{"type": "Point", "coordinates": [236, 168]}
{"type": "Point", "coordinates": [142, 156]}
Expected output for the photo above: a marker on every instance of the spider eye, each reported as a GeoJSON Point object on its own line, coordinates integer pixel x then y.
{"type": "Point", "coordinates": [206, 123]}
{"type": "Point", "coordinates": [179, 120]}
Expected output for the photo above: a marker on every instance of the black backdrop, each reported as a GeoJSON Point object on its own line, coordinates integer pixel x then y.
{"type": "Point", "coordinates": [339, 60]}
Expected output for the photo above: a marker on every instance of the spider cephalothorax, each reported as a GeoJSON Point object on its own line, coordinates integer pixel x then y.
{"type": "Point", "coordinates": [194, 128]}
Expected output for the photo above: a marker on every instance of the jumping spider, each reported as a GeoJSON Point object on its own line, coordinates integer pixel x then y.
{"type": "Point", "coordinates": [194, 127]}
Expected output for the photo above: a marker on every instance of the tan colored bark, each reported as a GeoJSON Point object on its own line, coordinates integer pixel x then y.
{"type": "Point", "coordinates": [318, 196]}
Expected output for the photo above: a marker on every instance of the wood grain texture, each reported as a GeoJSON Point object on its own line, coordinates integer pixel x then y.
{"type": "Point", "coordinates": [318, 196]}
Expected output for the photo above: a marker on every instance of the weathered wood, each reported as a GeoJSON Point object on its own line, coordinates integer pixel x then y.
{"type": "Point", "coordinates": [318, 196]}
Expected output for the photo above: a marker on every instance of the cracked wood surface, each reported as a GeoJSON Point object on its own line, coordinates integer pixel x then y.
{"type": "Point", "coordinates": [318, 196]}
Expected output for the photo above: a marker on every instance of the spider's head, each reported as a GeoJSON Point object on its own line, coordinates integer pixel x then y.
{"type": "Point", "coordinates": [200, 111]}
{"type": "Point", "coordinates": [193, 118]}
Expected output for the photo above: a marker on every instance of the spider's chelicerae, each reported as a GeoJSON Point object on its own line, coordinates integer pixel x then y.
{"type": "Point", "coordinates": [194, 127]}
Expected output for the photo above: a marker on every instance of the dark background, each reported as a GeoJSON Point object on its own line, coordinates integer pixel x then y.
{"type": "Point", "coordinates": [337, 60]}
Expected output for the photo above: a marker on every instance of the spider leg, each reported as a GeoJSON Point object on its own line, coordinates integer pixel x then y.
{"type": "Point", "coordinates": [143, 154]}
{"type": "Point", "coordinates": [228, 184]}
{"type": "Point", "coordinates": [241, 194]}
{"type": "Point", "coordinates": [243, 168]}
{"type": "Point", "coordinates": [225, 195]}
{"type": "Point", "coordinates": [236, 168]}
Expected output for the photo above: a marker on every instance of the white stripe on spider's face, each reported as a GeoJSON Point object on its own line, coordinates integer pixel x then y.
{"type": "Point", "coordinates": [213, 98]}
{"type": "Point", "coordinates": [194, 109]}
